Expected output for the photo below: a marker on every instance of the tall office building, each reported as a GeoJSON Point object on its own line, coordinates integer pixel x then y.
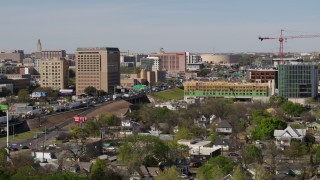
{"type": "Point", "coordinates": [98, 67]}
{"type": "Point", "coordinates": [298, 80]}
{"type": "Point", "coordinates": [54, 73]}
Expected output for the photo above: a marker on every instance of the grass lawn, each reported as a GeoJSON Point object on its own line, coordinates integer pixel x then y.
{"type": "Point", "coordinates": [19, 137]}
{"type": "Point", "coordinates": [171, 94]}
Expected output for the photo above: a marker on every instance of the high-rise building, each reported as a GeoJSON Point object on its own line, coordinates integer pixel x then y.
{"type": "Point", "coordinates": [39, 47]}
{"type": "Point", "coordinates": [298, 80]}
{"type": "Point", "coordinates": [54, 73]}
{"type": "Point", "coordinates": [98, 67]}
{"type": "Point", "coordinates": [14, 55]}
{"type": "Point", "coordinates": [192, 58]}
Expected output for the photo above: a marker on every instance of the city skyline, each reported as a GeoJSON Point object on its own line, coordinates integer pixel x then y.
{"type": "Point", "coordinates": [145, 26]}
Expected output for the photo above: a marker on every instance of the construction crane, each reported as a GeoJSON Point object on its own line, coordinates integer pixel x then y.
{"type": "Point", "coordinates": [285, 38]}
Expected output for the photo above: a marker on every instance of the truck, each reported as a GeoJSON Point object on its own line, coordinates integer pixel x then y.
{"type": "Point", "coordinates": [74, 105]}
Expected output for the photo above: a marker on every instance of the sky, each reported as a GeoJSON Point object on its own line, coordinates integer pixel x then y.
{"type": "Point", "coordinates": [144, 26]}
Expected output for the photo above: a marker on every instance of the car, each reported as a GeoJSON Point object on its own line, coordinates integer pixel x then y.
{"type": "Point", "coordinates": [233, 154]}
{"type": "Point", "coordinates": [25, 147]}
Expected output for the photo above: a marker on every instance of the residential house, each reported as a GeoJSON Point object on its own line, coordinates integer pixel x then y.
{"type": "Point", "coordinates": [200, 148]}
{"type": "Point", "coordinates": [314, 127]}
{"type": "Point", "coordinates": [284, 137]}
{"type": "Point", "coordinates": [204, 122]}
{"type": "Point", "coordinates": [224, 127]}
{"type": "Point", "coordinates": [223, 144]}
{"type": "Point", "coordinates": [129, 127]}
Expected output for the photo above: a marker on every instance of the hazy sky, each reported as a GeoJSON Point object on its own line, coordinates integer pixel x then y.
{"type": "Point", "coordinates": [147, 25]}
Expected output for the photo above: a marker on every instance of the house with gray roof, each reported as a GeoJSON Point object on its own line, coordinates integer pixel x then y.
{"type": "Point", "coordinates": [224, 127]}
{"type": "Point", "coordinates": [284, 137]}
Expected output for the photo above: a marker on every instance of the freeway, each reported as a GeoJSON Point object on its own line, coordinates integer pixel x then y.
{"type": "Point", "coordinates": [52, 132]}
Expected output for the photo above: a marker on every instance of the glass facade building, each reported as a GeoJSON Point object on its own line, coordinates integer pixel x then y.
{"type": "Point", "coordinates": [298, 80]}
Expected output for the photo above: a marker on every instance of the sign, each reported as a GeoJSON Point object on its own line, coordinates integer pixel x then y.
{"type": "Point", "coordinates": [38, 94]}
{"type": "Point", "coordinates": [80, 119]}
{"type": "Point", "coordinates": [4, 107]}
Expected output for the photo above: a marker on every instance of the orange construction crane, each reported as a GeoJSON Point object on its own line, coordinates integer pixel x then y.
{"type": "Point", "coordinates": [284, 38]}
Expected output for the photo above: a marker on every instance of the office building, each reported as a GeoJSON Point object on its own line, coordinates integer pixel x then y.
{"type": "Point", "coordinates": [172, 62]}
{"type": "Point", "coordinates": [54, 73]}
{"type": "Point", "coordinates": [13, 55]}
{"type": "Point", "coordinates": [98, 67]}
{"type": "Point", "coordinates": [50, 54]}
{"type": "Point", "coordinates": [298, 80]}
{"type": "Point", "coordinates": [151, 64]}
{"type": "Point", "coordinates": [192, 58]}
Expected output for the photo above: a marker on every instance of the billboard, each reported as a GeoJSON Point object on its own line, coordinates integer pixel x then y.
{"type": "Point", "coordinates": [38, 94]}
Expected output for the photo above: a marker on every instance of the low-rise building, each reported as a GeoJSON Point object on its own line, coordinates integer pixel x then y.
{"type": "Point", "coordinates": [286, 136]}
{"type": "Point", "coordinates": [224, 127]}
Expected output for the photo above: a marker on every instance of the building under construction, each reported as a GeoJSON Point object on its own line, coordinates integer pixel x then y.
{"type": "Point", "coordinates": [199, 89]}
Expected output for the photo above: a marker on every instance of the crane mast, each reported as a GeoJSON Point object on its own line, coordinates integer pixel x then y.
{"type": "Point", "coordinates": [282, 38]}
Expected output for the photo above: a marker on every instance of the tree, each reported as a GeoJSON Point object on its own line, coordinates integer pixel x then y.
{"type": "Point", "coordinates": [295, 150]}
{"type": "Point", "coordinates": [265, 128]}
{"type": "Point", "coordinates": [317, 155]}
{"type": "Point", "coordinates": [63, 175]}
{"type": "Point", "coordinates": [90, 90]}
{"type": "Point", "coordinates": [23, 96]}
{"type": "Point", "coordinates": [171, 173]}
{"type": "Point", "coordinates": [277, 101]}
{"type": "Point", "coordinates": [109, 120]}
{"type": "Point", "coordinates": [251, 154]}
{"type": "Point", "coordinates": [246, 60]}
{"type": "Point", "coordinates": [183, 133]}
{"type": "Point", "coordinates": [26, 172]}
{"type": "Point", "coordinates": [79, 133]}
{"type": "Point", "coordinates": [307, 117]}
{"type": "Point", "coordinates": [97, 171]}
{"type": "Point", "coordinates": [51, 94]}
{"type": "Point", "coordinates": [293, 109]}
{"type": "Point", "coordinates": [5, 92]}
{"type": "Point", "coordinates": [238, 173]}
{"type": "Point", "coordinates": [142, 150]}
{"type": "Point", "coordinates": [203, 72]}
{"type": "Point", "coordinates": [216, 167]}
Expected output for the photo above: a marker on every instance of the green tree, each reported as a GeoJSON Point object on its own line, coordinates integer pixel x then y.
{"type": "Point", "coordinates": [63, 175]}
{"type": "Point", "coordinates": [98, 170]}
{"type": "Point", "coordinates": [265, 128]}
{"type": "Point", "coordinates": [23, 96]}
{"type": "Point", "coordinates": [183, 133]}
{"type": "Point", "coordinates": [26, 172]}
{"type": "Point", "coordinates": [5, 92]}
{"type": "Point", "coordinates": [171, 173]}
{"type": "Point", "coordinates": [216, 167]}
{"type": "Point", "coordinates": [317, 155]}
{"type": "Point", "coordinates": [203, 72]}
{"type": "Point", "coordinates": [142, 150]}
{"type": "Point", "coordinates": [238, 173]}
{"type": "Point", "coordinates": [295, 150]}
{"type": "Point", "coordinates": [277, 101]}
{"type": "Point", "coordinates": [90, 90]}
{"type": "Point", "coordinates": [293, 109]}
{"type": "Point", "coordinates": [109, 120]}
{"type": "Point", "coordinates": [251, 154]}
{"type": "Point", "coordinates": [246, 60]}
{"type": "Point", "coordinates": [79, 133]}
